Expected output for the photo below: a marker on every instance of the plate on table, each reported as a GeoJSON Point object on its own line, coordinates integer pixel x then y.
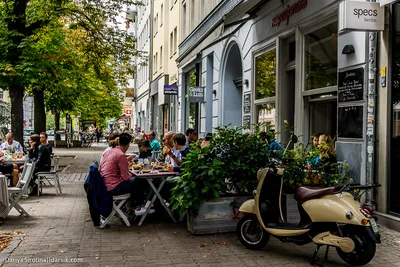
{"type": "Point", "coordinates": [145, 171]}
{"type": "Point", "coordinates": [163, 170]}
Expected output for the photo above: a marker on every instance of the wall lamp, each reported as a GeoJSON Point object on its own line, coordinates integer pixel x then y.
{"type": "Point", "coordinates": [246, 82]}
{"type": "Point", "coordinates": [348, 49]}
{"type": "Point", "coordinates": [215, 93]}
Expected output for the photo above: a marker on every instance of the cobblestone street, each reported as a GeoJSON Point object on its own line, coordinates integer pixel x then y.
{"type": "Point", "coordinates": [59, 229]}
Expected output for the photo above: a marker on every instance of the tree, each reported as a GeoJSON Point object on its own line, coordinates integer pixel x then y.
{"type": "Point", "coordinates": [22, 20]}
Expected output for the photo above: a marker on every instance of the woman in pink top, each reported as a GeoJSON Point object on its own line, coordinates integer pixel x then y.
{"type": "Point", "coordinates": [117, 178]}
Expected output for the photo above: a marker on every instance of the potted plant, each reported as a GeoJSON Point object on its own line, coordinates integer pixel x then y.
{"type": "Point", "coordinates": [218, 178]}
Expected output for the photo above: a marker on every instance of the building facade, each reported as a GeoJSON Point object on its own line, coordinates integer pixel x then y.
{"type": "Point", "coordinates": [164, 73]}
{"type": "Point", "coordinates": [288, 64]}
{"type": "Point", "coordinates": [143, 65]}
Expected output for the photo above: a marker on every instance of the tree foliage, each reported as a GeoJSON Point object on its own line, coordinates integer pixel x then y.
{"type": "Point", "coordinates": [67, 49]}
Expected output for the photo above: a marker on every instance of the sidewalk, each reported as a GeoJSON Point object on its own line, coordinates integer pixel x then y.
{"type": "Point", "coordinates": [60, 229]}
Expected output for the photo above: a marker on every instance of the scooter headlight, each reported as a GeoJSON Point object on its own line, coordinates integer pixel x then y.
{"type": "Point", "coordinates": [349, 215]}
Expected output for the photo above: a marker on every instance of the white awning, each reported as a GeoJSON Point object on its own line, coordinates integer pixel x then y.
{"type": "Point", "coordinates": [241, 10]}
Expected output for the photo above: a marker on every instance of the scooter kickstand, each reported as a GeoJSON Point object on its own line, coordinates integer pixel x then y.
{"type": "Point", "coordinates": [314, 260]}
{"type": "Point", "coordinates": [326, 253]}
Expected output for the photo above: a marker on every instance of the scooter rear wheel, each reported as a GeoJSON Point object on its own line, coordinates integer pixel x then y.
{"type": "Point", "coordinates": [250, 233]}
{"type": "Point", "coordinates": [363, 253]}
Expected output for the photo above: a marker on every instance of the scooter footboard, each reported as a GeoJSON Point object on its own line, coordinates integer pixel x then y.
{"type": "Point", "coordinates": [249, 206]}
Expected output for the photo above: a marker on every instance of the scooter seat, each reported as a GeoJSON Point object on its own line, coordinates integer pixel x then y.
{"type": "Point", "coordinates": [304, 194]}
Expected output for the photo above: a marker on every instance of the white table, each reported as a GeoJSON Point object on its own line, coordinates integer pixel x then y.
{"type": "Point", "coordinates": [162, 177]}
{"type": "Point", "coordinates": [17, 161]}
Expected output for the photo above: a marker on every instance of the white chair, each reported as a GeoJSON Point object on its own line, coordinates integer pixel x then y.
{"type": "Point", "coordinates": [15, 193]}
{"type": "Point", "coordinates": [118, 203]}
{"type": "Point", "coordinates": [53, 174]}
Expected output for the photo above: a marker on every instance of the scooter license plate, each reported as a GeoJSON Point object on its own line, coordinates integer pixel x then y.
{"type": "Point", "coordinates": [374, 225]}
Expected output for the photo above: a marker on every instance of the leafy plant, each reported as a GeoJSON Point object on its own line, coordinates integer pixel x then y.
{"type": "Point", "coordinates": [229, 164]}
{"type": "Point", "coordinates": [301, 169]}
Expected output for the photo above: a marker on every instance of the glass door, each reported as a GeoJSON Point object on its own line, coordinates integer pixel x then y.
{"type": "Point", "coordinates": [394, 179]}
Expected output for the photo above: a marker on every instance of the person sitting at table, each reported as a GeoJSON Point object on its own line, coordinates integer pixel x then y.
{"type": "Point", "coordinates": [179, 141]}
{"type": "Point", "coordinates": [11, 144]}
{"type": "Point", "coordinates": [40, 154]}
{"type": "Point", "coordinates": [113, 140]}
{"type": "Point", "coordinates": [9, 169]}
{"type": "Point", "coordinates": [117, 178]}
{"type": "Point", "coordinates": [154, 144]}
{"type": "Point", "coordinates": [145, 150]}
{"type": "Point", "coordinates": [169, 151]}
{"type": "Point", "coordinates": [43, 141]}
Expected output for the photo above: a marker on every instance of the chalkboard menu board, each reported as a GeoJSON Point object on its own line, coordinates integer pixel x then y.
{"type": "Point", "coordinates": [351, 85]}
{"type": "Point", "coordinates": [350, 122]}
{"type": "Point", "coordinates": [247, 121]}
{"type": "Point", "coordinates": [246, 104]}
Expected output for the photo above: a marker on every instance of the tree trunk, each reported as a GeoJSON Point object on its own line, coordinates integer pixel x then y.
{"type": "Point", "coordinates": [17, 111]}
{"type": "Point", "coordinates": [57, 125]}
{"type": "Point", "coordinates": [39, 112]}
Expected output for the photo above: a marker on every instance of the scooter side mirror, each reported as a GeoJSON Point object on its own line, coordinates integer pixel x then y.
{"type": "Point", "coordinates": [294, 138]}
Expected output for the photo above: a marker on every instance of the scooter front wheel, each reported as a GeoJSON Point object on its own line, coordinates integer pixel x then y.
{"type": "Point", "coordinates": [250, 233]}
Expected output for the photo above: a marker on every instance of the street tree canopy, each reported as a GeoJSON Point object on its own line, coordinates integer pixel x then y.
{"type": "Point", "coordinates": [64, 51]}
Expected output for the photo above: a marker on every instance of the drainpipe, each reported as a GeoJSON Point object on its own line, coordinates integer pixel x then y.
{"type": "Point", "coordinates": [371, 112]}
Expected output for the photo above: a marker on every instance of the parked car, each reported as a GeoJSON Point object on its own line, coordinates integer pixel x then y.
{"type": "Point", "coordinates": [50, 132]}
{"type": "Point", "coordinates": [27, 135]}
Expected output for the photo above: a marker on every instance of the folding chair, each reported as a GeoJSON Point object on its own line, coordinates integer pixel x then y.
{"type": "Point", "coordinates": [118, 202]}
{"type": "Point", "coordinates": [49, 175]}
{"type": "Point", "coordinates": [15, 193]}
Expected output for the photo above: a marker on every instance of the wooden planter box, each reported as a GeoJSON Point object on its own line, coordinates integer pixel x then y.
{"type": "Point", "coordinates": [218, 215]}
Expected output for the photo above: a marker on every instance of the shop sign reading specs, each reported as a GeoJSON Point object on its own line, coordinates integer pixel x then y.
{"type": "Point", "coordinates": [361, 16]}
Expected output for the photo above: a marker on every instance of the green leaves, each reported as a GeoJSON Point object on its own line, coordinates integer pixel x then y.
{"type": "Point", "coordinates": [230, 163]}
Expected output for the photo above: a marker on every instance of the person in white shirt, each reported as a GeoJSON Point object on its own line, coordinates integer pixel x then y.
{"type": "Point", "coordinates": [11, 144]}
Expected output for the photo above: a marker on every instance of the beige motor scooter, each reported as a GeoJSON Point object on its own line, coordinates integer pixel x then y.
{"type": "Point", "coordinates": [329, 216]}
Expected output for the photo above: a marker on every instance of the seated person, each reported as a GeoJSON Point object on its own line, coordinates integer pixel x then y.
{"type": "Point", "coordinates": [40, 154]}
{"type": "Point", "coordinates": [179, 141]}
{"type": "Point", "coordinates": [9, 169]}
{"type": "Point", "coordinates": [145, 150]}
{"type": "Point", "coordinates": [206, 141]}
{"type": "Point", "coordinates": [113, 140]}
{"type": "Point", "coordinates": [274, 147]}
{"type": "Point", "coordinates": [117, 178]}
{"type": "Point", "coordinates": [154, 144]}
{"type": "Point", "coordinates": [11, 144]}
{"type": "Point", "coordinates": [43, 141]}
{"type": "Point", "coordinates": [169, 151]}
{"type": "Point", "coordinates": [327, 157]}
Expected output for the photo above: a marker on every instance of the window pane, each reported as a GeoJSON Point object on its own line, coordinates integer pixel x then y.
{"type": "Point", "coordinates": [266, 115]}
{"type": "Point", "coordinates": [321, 57]}
{"type": "Point", "coordinates": [266, 75]}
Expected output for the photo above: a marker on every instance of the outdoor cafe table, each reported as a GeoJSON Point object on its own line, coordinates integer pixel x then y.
{"type": "Point", "coordinates": [16, 161]}
{"type": "Point", "coordinates": [150, 177]}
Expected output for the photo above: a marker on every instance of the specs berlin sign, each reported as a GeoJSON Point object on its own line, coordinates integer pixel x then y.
{"type": "Point", "coordinates": [361, 16]}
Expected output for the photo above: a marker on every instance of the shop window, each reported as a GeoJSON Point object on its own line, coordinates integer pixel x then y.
{"type": "Point", "coordinates": [321, 57]}
{"type": "Point", "coordinates": [265, 75]}
{"type": "Point", "coordinates": [266, 116]}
